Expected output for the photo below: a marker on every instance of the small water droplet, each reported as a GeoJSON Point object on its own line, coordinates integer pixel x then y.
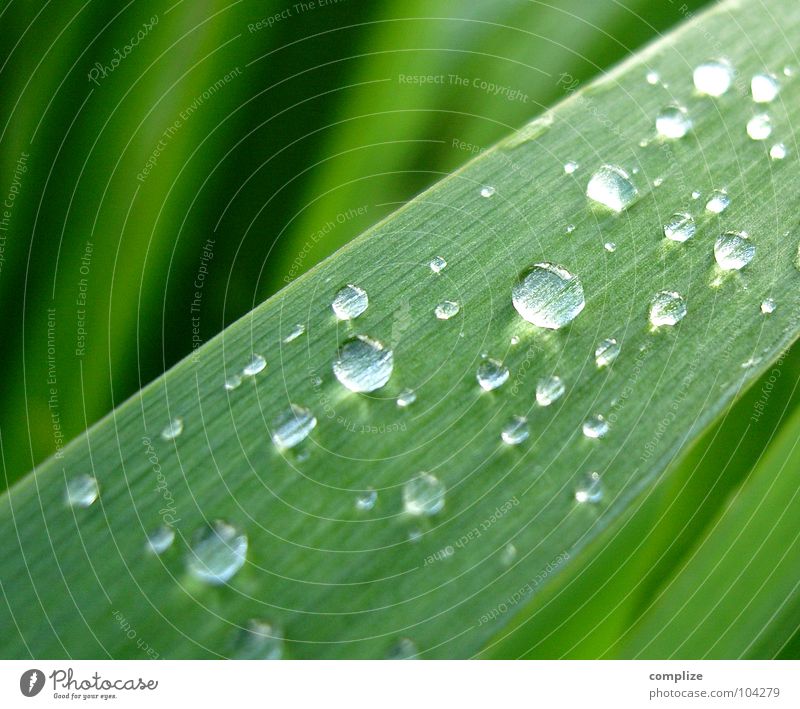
{"type": "Point", "coordinates": [595, 427]}
{"type": "Point", "coordinates": [447, 309]}
{"type": "Point", "coordinates": [159, 540]}
{"type": "Point", "coordinates": [733, 250]}
{"type": "Point", "coordinates": [292, 426]}
{"type": "Point", "coordinates": [82, 491]}
{"type": "Point", "coordinates": [549, 389]}
{"type": "Point", "coordinates": [788, 70]}
{"type": "Point", "coordinates": [570, 167]}
{"type": "Point", "coordinates": [233, 382]}
{"type": "Point", "coordinates": [759, 127]}
{"type": "Point", "coordinates": [696, 194]}
{"type": "Point", "coordinates": [406, 397]}
{"type": "Point", "coordinates": [349, 302]}
{"type": "Point", "coordinates": [570, 228]}
{"type": "Point", "coordinates": [414, 535]}
{"type": "Point", "coordinates": [508, 555]}
{"type": "Point", "coordinates": [607, 351]}
{"type": "Point", "coordinates": [610, 246]}
{"type": "Point", "coordinates": [437, 264]}
{"type": "Point", "coordinates": [590, 489]}
{"type": "Point", "coordinates": [667, 308]}
{"type": "Point", "coordinates": [515, 431]}
{"type": "Point", "coordinates": [673, 122]}
{"type": "Point", "coordinates": [491, 374]}
{"type": "Point", "coordinates": [297, 330]}
{"type": "Point", "coordinates": [514, 340]}
{"type": "Point", "coordinates": [680, 227]}
{"type": "Point", "coordinates": [718, 202]}
{"type": "Point", "coordinates": [548, 295]}
{"type": "Point", "coordinates": [216, 552]}
{"type": "Point", "coordinates": [260, 640]}
{"type": "Point", "coordinates": [402, 649]}
{"type": "Point", "coordinates": [424, 495]}
{"type": "Point", "coordinates": [363, 364]}
{"type": "Point", "coordinates": [256, 364]}
{"type": "Point", "coordinates": [658, 182]}
{"type": "Point", "coordinates": [366, 500]}
{"type": "Point", "coordinates": [778, 151]}
{"type": "Point", "coordinates": [488, 191]}
{"type": "Point", "coordinates": [713, 77]}
{"type": "Point", "coordinates": [768, 306]}
{"type": "Point", "coordinates": [652, 77]}
{"type": "Point", "coordinates": [764, 88]}
{"type": "Point", "coordinates": [173, 429]}
{"type": "Point", "coordinates": [611, 186]}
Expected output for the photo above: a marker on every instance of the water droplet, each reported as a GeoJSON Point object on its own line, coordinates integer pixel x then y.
{"type": "Point", "coordinates": [595, 427]}
{"type": "Point", "coordinates": [778, 151]}
{"type": "Point", "coordinates": [548, 295]}
{"type": "Point", "coordinates": [363, 364]}
{"type": "Point", "coordinates": [607, 351]}
{"type": "Point", "coordinates": [515, 431]}
{"type": "Point", "coordinates": [652, 77]}
{"type": "Point", "coordinates": [788, 70]}
{"type": "Point", "coordinates": [667, 308]}
{"type": "Point", "coordinates": [764, 88]}
{"type": "Point", "coordinates": [549, 389]}
{"type": "Point", "coordinates": [233, 382]}
{"type": "Point", "coordinates": [292, 426]}
{"type": "Point", "coordinates": [349, 302]}
{"type": "Point", "coordinates": [406, 397]}
{"type": "Point", "coordinates": [590, 490]}
{"type": "Point", "coordinates": [713, 77]}
{"type": "Point", "coordinates": [658, 182]}
{"type": "Point", "coordinates": [508, 555]}
{"type": "Point", "coordinates": [759, 127]}
{"type": "Point", "coordinates": [259, 641]}
{"type": "Point", "coordinates": [733, 250]}
{"type": "Point", "coordinates": [216, 552]}
{"type": "Point", "coordinates": [82, 491]}
{"type": "Point", "coordinates": [718, 202]}
{"type": "Point", "coordinates": [415, 535]}
{"type": "Point", "coordinates": [424, 495]}
{"type": "Point", "coordinates": [570, 167]}
{"type": "Point", "coordinates": [256, 364]}
{"type": "Point", "coordinates": [610, 246]}
{"type": "Point", "coordinates": [488, 191]}
{"type": "Point", "coordinates": [366, 500]}
{"type": "Point", "coordinates": [297, 330]}
{"type": "Point", "coordinates": [173, 429]}
{"type": "Point", "coordinates": [491, 374]}
{"type": "Point", "coordinates": [447, 309]}
{"type": "Point", "coordinates": [514, 340]}
{"type": "Point", "coordinates": [403, 649]}
{"type": "Point", "coordinates": [611, 186]}
{"type": "Point", "coordinates": [673, 122]}
{"type": "Point", "coordinates": [768, 306]}
{"type": "Point", "coordinates": [437, 264]}
{"type": "Point", "coordinates": [680, 227]}
{"type": "Point", "coordinates": [570, 228]}
{"type": "Point", "coordinates": [159, 540]}
{"type": "Point", "coordinates": [696, 194]}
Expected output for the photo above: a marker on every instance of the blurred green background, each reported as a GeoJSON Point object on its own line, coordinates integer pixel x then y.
{"type": "Point", "coordinates": [168, 165]}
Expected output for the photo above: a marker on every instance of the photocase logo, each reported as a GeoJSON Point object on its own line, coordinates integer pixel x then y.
{"type": "Point", "coordinates": [31, 682]}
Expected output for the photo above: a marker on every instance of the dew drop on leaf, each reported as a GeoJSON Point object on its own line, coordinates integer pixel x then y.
{"type": "Point", "coordinates": [778, 151]}
{"type": "Point", "coordinates": [447, 309]}
{"type": "Point", "coordinates": [256, 365]}
{"type": "Point", "coordinates": [363, 364]}
{"type": "Point", "coordinates": [515, 431]}
{"type": "Point", "coordinates": [296, 331]}
{"type": "Point", "coordinates": [160, 539]}
{"type": "Point", "coordinates": [610, 246]}
{"type": "Point", "coordinates": [590, 489]}
{"type": "Point", "coordinates": [437, 264]}
{"type": "Point", "coordinates": [259, 640]}
{"type": "Point", "coordinates": [764, 88]}
{"type": "Point", "coordinates": [402, 649]}
{"type": "Point", "coordinates": [216, 552]}
{"type": "Point", "coordinates": [606, 352]}
{"type": "Point", "coordinates": [595, 427]}
{"type": "Point", "coordinates": [718, 202]}
{"type": "Point", "coordinates": [349, 302]}
{"type": "Point", "coordinates": [680, 227]}
{"type": "Point", "coordinates": [768, 306]}
{"type": "Point", "coordinates": [548, 295]}
{"type": "Point", "coordinates": [424, 495]}
{"type": "Point", "coordinates": [713, 77]}
{"type": "Point", "coordinates": [549, 389]}
{"type": "Point", "coordinates": [173, 429]}
{"type": "Point", "coordinates": [570, 166]}
{"type": "Point", "coordinates": [667, 308]}
{"type": "Point", "coordinates": [652, 77]}
{"type": "Point", "coordinates": [292, 426]}
{"type": "Point", "coordinates": [366, 500]}
{"type": "Point", "coordinates": [612, 187]}
{"type": "Point", "coordinates": [673, 122]}
{"type": "Point", "coordinates": [82, 491]}
{"type": "Point", "coordinates": [491, 374]}
{"type": "Point", "coordinates": [406, 397]}
{"type": "Point", "coordinates": [759, 127]}
{"type": "Point", "coordinates": [233, 382]}
{"type": "Point", "coordinates": [508, 555]}
{"type": "Point", "coordinates": [733, 250]}
{"type": "Point", "coordinates": [488, 191]}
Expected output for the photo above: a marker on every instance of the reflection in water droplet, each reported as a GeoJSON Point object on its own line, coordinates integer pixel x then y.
{"type": "Point", "coordinates": [161, 539]}
{"type": "Point", "coordinates": [764, 88]}
{"type": "Point", "coordinates": [488, 191]}
{"type": "Point", "coordinates": [680, 227]}
{"type": "Point", "coordinates": [216, 552]}
{"type": "Point", "coordinates": [733, 250]}
{"type": "Point", "coordinates": [424, 495]}
{"type": "Point", "coordinates": [548, 295]}
{"type": "Point", "coordinates": [713, 77]}
{"type": "Point", "coordinates": [549, 389]}
{"type": "Point", "coordinates": [612, 187]}
{"type": "Point", "coordinates": [349, 302]}
{"type": "Point", "coordinates": [768, 306]}
{"type": "Point", "coordinates": [607, 351]}
{"type": "Point", "coordinates": [406, 397]}
{"type": "Point", "coordinates": [570, 228]}
{"type": "Point", "coordinates": [402, 649]}
{"type": "Point", "coordinates": [173, 429]}
{"type": "Point", "coordinates": [508, 555]}
{"type": "Point", "coordinates": [297, 330]}
{"type": "Point", "coordinates": [759, 127]}
{"type": "Point", "coordinates": [595, 427]}
{"type": "Point", "coordinates": [491, 374]}
{"type": "Point", "coordinates": [233, 382]}
{"type": "Point", "coordinates": [259, 641]}
{"type": "Point", "coordinates": [366, 500]}
{"type": "Point", "coordinates": [673, 122]}
{"type": "Point", "coordinates": [652, 77]}
{"type": "Point", "coordinates": [570, 167]}
{"type": "Point", "coordinates": [778, 151]}
{"type": "Point", "coordinates": [667, 308]}
{"type": "Point", "coordinates": [292, 426]}
{"type": "Point", "coordinates": [256, 364]}
{"type": "Point", "coordinates": [718, 202]}
{"type": "Point", "coordinates": [590, 489]}
{"type": "Point", "coordinates": [363, 364]}
{"type": "Point", "coordinates": [82, 491]}
{"type": "Point", "coordinates": [610, 246]}
{"type": "Point", "coordinates": [515, 431]}
{"type": "Point", "coordinates": [447, 309]}
{"type": "Point", "coordinates": [437, 264]}
{"type": "Point", "coordinates": [696, 194]}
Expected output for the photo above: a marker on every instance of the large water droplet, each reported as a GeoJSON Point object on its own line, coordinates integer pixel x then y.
{"type": "Point", "coordinates": [764, 88]}
{"type": "Point", "coordinates": [447, 309]}
{"type": "Point", "coordinates": [612, 187]}
{"type": "Point", "coordinates": [590, 489]}
{"type": "Point", "coordinates": [260, 640]}
{"type": "Point", "coordinates": [733, 250]}
{"type": "Point", "coordinates": [606, 352]}
{"type": "Point", "coordinates": [548, 295]}
{"type": "Point", "coordinates": [173, 429]}
{"type": "Point", "coordinates": [437, 264]}
{"type": "Point", "coordinates": [718, 202]}
{"type": "Point", "coordinates": [350, 302]}
{"type": "Point", "coordinates": [82, 491]}
{"type": "Point", "coordinates": [424, 495]}
{"type": "Point", "coordinates": [768, 306]}
{"type": "Point", "coordinates": [713, 77]}
{"type": "Point", "coordinates": [363, 364]}
{"type": "Point", "coordinates": [292, 426]}
{"type": "Point", "coordinates": [256, 364]}
{"type": "Point", "coordinates": [491, 374]}
{"type": "Point", "coordinates": [216, 552]}
{"type": "Point", "coordinates": [159, 540]}
{"type": "Point", "coordinates": [595, 427]}
{"type": "Point", "coordinates": [667, 308]}
{"type": "Point", "coordinates": [366, 500]}
{"type": "Point", "coordinates": [549, 389]}
{"type": "Point", "coordinates": [680, 227]}
{"type": "Point", "coordinates": [515, 431]}
{"type": "Point", "coordinates": [673, 122]}
{"type": "Point", "coordinates": [296, 331]}
{"type": "Point", "coordinates": [778, 151]}
{"type": "Point", "coordinates": [759, 127]}
{"type": "Point", "coordinates": [402, 649]}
